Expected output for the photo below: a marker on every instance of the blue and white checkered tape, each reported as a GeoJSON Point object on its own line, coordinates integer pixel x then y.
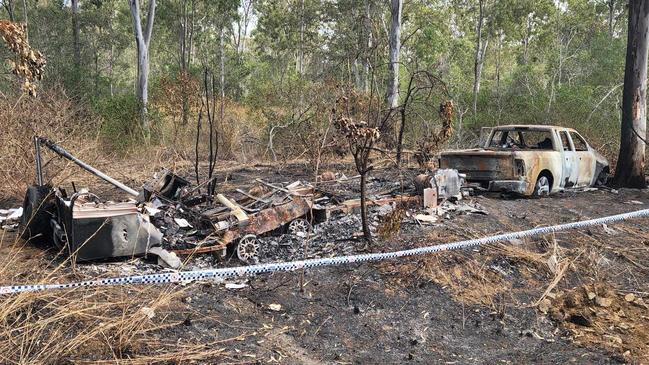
{"type": "Point", "coordinates": [189, 276]}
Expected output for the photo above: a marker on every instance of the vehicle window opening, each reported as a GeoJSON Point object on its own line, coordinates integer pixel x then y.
{"type": "Point", "coordinates": [522, 139]}
{"type": "Point", "coordinates": [579, 142]}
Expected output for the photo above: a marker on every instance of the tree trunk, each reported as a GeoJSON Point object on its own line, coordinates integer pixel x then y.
{"type": "Point", "coordinates": [222, 74]}
{"type": "Point", "coordinates": [367, 22]}
{"type": "Point", "coordinates": [9, 6]}
{"type": "Point", "coordinates": [184, 49]}
{"type": "Point", "coordinates": [358, 81]}
{"type": "Point", "coordinates": [402, 128]}
{"type": "Point", "coordinates": [480, 50]}
{"type": "Point", "coordinates": [182, 33]}
{"type": "Point", "coordinates": [111, 61]}
{"type": "Point", "coordinates": [402, 113]}
{"type": "Point", "coordinates": [142, 40]}
{"type": "Point", "coordinates": [300, 58]}
{"type": "Point", "coordinates": [366, 228]}
{"type": "Point", "coordinates": [526, 39]}
{"type": "Point", "coordinates": [500, 38]}
{"type": "Point", "coordinates": [392, 94]}
{"type": "Point", "coordinates": [75, 32]}
{"type": "Point", "coordinates": [611, 17]}
{"type": "Point", "coordinates": [631, 160]}
{"type": "Point", "coordinates": [97, 74]}
{"type": "Point", "coordinates": [111, 55]}
{"type": "Point", "coordinates": [26, 20]}
{"type": "Point", "coordinates": [142, 88]}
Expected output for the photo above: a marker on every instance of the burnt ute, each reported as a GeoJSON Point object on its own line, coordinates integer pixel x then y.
{"type": "Point", "coordinates": [529, 160]}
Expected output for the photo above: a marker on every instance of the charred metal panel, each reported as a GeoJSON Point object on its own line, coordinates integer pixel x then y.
{"type": "Point", "coordinates": [168, 185]}
{"type": "Point", "coordinates": [273, 218]}
{"type": "Point", "coordinates": [538, 162]}
{"type": "Point", "coordinates": [479, 165]}
{"type": "Point", "coordinates": [92, 231]}
{"type": "Point", "coordinates": [514, 186]}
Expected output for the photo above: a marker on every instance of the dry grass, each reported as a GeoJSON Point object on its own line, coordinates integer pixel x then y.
{"type": "Point", "coordinates": [472, 278]}
{"type": "Point", "coordinates": [128, 324]}
{"type": "Point", "coordinates": [52, 114]}
{"type": "Point", "coordinates": [56, 116]}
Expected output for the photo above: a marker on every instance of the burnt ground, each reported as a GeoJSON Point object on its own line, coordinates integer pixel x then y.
{"type": "Point", "coordinates": [485, 305]}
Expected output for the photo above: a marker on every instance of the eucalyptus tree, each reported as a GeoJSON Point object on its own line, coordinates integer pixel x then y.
{"type": "Point", "coordinates": [630, 167]}
{"type": "Point", "coordinates": [392, 89]}
{"type": "Point", "coordinates": [142, 41]}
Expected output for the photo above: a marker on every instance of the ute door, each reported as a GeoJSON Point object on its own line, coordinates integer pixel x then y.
{"type": "Point", "coordinates": [570, 165]}
{"type": "Point", "coordinates": [585, 158]}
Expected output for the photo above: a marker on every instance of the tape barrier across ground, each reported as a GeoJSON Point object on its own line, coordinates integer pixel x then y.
{"type": "Point", "coordinates": [188, 276]}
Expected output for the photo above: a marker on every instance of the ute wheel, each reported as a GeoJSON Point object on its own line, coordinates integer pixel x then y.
{"type": "Point", "coordinates": [38, 209]}
{"type": "Point", "coordinates": [248, 249]}
{"type": "Point", "coordinates": [542, 186]}
{"type": "Point", "coordinates": [299, 228]}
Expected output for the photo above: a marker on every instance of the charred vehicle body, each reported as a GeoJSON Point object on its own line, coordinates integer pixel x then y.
{"type": "Point", "coordinates": [532, 160]}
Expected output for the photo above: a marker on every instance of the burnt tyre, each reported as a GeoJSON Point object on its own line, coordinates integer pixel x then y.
{"type": "Point", "coordinates": [602, 178]}
{"type": "Point", "coordinates": [38, 210]}
{"type": "Point", "coordinates": [542, 187]}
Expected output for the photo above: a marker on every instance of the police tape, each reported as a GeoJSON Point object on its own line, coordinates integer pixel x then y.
{"type": "Point", "coordinates": [190, 276]}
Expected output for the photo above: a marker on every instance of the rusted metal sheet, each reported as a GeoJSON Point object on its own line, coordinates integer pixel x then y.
{"type": "Point", "coordinates": [509, 162]}
{"type": "Point", "coordinates": [353, 205]}
{"type": "Point", "coordinates": [273, 218]}
{"type": "Point", "coordinates": [199, 250]}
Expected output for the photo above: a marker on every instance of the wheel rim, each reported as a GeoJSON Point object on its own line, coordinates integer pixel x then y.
{"type": "Point", "coordinates": [543, 186]}
{"type": "Point", "coordinates": [248, 249]}
{"type": "Point", "coordinates": [299, 228]}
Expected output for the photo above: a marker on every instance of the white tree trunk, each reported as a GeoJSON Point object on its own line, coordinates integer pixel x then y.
{"type": "Point", "coordinates": [300, 58]}
{"type": "Point", "coordinates": [26, 20]}
{"type": "Point", "coordinates": [392, 94]}
{"type": "Point", "coordinates": [142, 39]}
{"type": "Point", "coordinates": [480, 50]}
{"type": "Point", "coordinates": [368, 29]}
{"type": "Point", "coordinates": [76, 32]}
{"type": "Point", "coordinates": [222, 60]}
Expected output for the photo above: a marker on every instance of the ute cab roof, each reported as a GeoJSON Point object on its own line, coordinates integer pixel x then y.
{"type": "Point", "coordinates": [532, 127]}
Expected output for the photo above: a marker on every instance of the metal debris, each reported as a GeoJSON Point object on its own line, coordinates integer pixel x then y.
{"type": "Point", "coordinates": [9, 218]}
{"type": "Point", "coordinates": [166, 258]}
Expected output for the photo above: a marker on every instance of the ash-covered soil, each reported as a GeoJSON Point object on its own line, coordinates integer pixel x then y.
{"type": "Point", "coordinates": [541, 300]}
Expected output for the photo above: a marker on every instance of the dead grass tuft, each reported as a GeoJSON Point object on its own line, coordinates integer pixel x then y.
{"type": "Point", "coordinates": [52, 114]}
{"type": "Point", "coordinates": [123, 324]}
{"type": "Point", "coordinates": [467, 280]}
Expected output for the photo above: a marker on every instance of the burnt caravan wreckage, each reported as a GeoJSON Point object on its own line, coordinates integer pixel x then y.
{"type": "Point", "coordinates": [166, 214]}
{"type": "Point", "coordinates": [82, 225]}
